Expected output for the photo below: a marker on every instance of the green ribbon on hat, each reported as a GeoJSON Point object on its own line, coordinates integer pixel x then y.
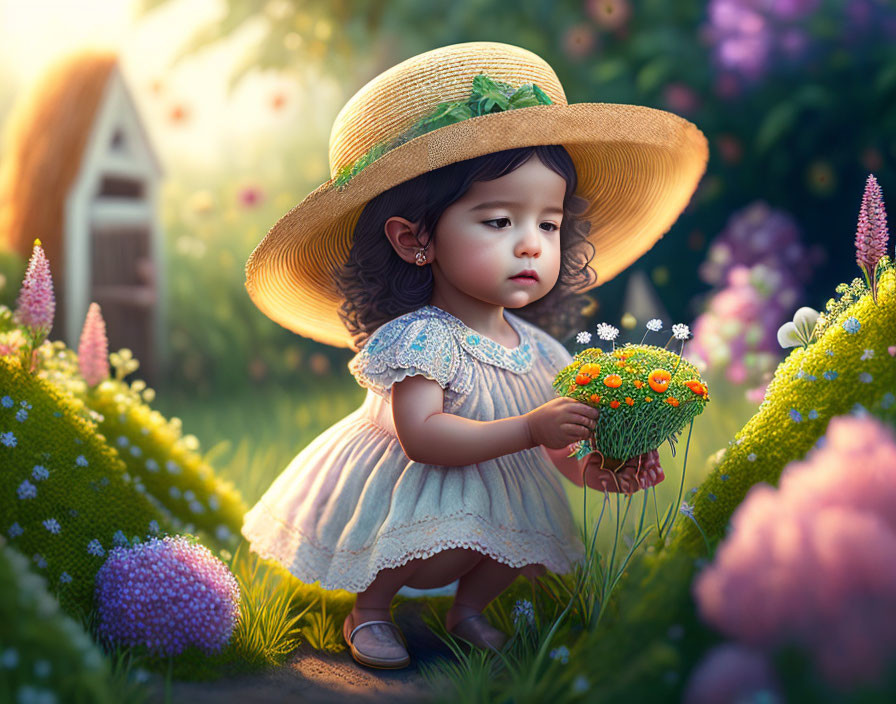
{"type": "Point", "coordinates": [487, 96]}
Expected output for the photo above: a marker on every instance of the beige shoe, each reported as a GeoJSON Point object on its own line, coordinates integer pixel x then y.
{"type": "Point", "coordinates": [376, 643]}
{"type": "Point", "coordinates": [477, 630]}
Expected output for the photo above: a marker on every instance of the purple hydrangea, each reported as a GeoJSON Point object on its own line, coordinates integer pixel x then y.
{"type": "Point", "coordinates": [167, 594]}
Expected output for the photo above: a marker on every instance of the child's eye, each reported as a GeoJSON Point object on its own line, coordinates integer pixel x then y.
{"type": "Point", "coordinates": [551, 225]}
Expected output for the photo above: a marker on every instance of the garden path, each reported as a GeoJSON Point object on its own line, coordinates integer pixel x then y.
{"type": "Point", "coordinates": [314, 677]}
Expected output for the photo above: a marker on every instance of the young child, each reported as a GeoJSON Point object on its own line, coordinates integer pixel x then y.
{"type": "Point", "coordinates": [414, 258]}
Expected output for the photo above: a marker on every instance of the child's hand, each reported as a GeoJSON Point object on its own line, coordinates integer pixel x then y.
{"type": "Point", "coordinates": [561, 421]}
{"type": "Point", "coordinates": [639, 472]}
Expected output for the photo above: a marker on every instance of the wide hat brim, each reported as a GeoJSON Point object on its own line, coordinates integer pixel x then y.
{"type": "Point", "coordinates": [638, 167]}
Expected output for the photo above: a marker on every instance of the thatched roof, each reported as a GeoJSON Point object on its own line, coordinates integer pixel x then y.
{"type": "Point", "coordinates": [44, 141]}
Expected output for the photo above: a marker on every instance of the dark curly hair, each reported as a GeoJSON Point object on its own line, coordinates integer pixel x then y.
{"type": "Point", "coordinates": [377, 285]}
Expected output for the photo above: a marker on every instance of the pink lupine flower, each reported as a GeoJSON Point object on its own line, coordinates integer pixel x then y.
{"type": "Point", "coordinates": [813, 563]}
{"type": "Point", "coordinates": [36, 304]}
{"type": "Point", "coordinates": [93, 359]}
{"type": "Point", "coordinates": [871, 233]}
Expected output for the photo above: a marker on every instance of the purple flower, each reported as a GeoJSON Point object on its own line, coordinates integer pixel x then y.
{"type": "Point", "coordinates": [8, 439]}
{"type": "Point", "coordinates": [95, 548]}
{"type": "Point", "coordinates": [813, 563]}
{"type": "Point", "coordinates": [26, 490]}
{"type": "Point", "coordinates": [871, 233]}
{"type": "Point", "coordinates": [93, 359]}
{"type": "Point", "coordinates": [731, 672]}
{"type": "Point", "coordinates": [36, 304]}
{"type": "Point", "coordinates": [166, 594]}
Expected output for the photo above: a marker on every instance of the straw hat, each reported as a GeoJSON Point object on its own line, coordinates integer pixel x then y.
{"type": "Point", "coordinates": [637, 166]}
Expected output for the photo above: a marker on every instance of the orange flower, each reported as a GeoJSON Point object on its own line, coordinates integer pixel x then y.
{"type": "Point", "coordinates": [590, 369]}
{"type": "Point", "coordinates": [659, 380]}
{"type": "Point", "coordinates": [594, 398]}
{"type": "Point", "coordinates": [583, 379]}
{"type": "Point", "coordinates": [629, 400]}
{"type": "Point", "coordinates": [614, 404]}
{"type": "Point", "coordinates": [614, 381]}
{"type": "Point", "coordinates": [671, 400]}
{"type": "Point", "coordinates": [638, 383]}
{"type": "Point", "coordinates": [696, 387]}
{"type": "Point", "coordinates": [620, 363]}
{"type": "Point", "coordinates": [648, 399]}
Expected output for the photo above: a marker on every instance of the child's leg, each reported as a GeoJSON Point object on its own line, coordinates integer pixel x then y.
{"type": "Point", "coordinates": [422, 573]}
{"type": "Point", "coordinates": [478, 587]}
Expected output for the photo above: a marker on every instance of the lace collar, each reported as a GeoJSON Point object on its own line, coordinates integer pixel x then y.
{"type": "Point", "coordinates": [517, 359]}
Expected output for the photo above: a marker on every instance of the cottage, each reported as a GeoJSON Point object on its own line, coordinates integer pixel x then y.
{"type": "Point", "coordinates": [79, 173]}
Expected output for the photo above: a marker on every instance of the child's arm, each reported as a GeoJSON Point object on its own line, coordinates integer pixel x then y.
{"type": "Point", "coordinates": [430, 436]}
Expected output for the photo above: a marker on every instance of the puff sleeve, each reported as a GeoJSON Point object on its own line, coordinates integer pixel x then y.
{"type": "Point", "coordinates": [407, 346]}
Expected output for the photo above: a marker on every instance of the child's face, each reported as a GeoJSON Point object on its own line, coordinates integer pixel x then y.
{"type": "Point", "coordinates": [479, 248]}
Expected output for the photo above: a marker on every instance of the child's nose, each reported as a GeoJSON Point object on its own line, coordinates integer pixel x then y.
{"type": "Point", "coordinates": [529, 243]}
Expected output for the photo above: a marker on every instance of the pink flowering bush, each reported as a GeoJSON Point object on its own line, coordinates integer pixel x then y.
{"type": "Point", "coordinates": [814, 562]}
{"type": "Point", "coordinates": [758, 267]}
{"type": "Point", "coordinates": [167, 594]}
{"type": "Point", "coordinates": [733, 673]}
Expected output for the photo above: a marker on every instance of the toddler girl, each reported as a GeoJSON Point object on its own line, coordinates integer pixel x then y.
{"type": "Point", "coordinates": [419, 249]}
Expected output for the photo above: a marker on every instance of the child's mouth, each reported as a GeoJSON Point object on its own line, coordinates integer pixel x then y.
{"type": "Point", "coordinates": [527, 277]}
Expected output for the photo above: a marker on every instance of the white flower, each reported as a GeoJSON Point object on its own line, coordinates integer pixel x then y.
{"type": "Point", "coordinates": [800, 330]}
{"type": "Point", "coordinates": [583, 338]}
{"type": "Point", "coordinates": [867, 354]}
{"type": "Point", "coordinates": [654, 324]}
{"type": "Point", "coordinates": [681, 331]}
{"type": "Point", "coordinates": [606, 332]}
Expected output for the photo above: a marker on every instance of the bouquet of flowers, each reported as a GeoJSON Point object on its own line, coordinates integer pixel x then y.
{"type": "Point", "coordinates": [646, 394]}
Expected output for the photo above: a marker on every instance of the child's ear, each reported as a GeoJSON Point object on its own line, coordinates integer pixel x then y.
{"type": "Point", "coordinates": [407, 238]}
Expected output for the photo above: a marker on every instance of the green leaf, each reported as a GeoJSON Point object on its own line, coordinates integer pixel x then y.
{"type": "Point", "coordinates": [885, 80]}
{"type": "Point", "coordinates": [609, 70]}
{"type": "Point", "coordinates": [652, 75]}
{"type": "Point", "coordinates": [526, 96]}
{"type": "Point", "coordinates": [214, 31]}
{"type": "Point", "coordinates": [543, 97]}
{"type": "Point", "coordinates": [779, 120]}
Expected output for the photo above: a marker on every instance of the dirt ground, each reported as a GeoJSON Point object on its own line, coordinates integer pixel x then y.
{"type": "Point", "coordinates": [313, 677]}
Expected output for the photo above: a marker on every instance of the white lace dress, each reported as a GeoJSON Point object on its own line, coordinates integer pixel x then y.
{"type": "Point", "coordinates": [352, 503]}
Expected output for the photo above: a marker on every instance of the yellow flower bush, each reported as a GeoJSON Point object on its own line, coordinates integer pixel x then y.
{"type": "Point", "coordinates": [824, 379]}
